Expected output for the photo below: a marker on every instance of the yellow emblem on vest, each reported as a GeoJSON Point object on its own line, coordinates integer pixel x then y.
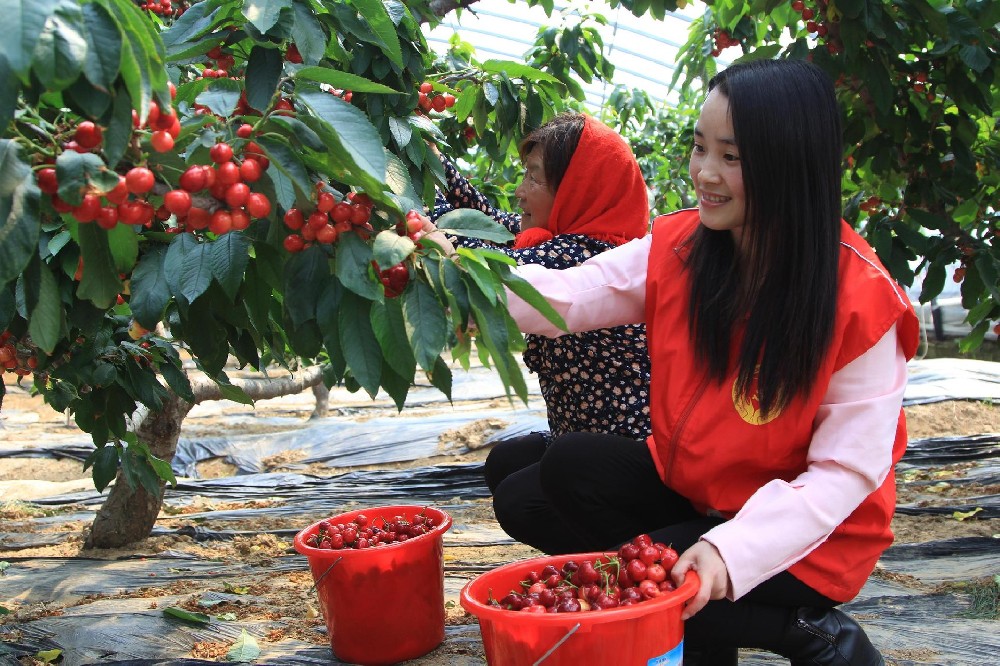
{"type": "Point", "coordinates": [749, 410]}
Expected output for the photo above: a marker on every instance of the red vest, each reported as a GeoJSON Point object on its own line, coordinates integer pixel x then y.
{"type": "Point", "coordinates": [713, 448]}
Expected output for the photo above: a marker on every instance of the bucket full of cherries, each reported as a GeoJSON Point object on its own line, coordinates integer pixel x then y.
{"type": "Point", "coordinates": [378, 573]}
{"type": "Point", "coordinates": [599, 608]}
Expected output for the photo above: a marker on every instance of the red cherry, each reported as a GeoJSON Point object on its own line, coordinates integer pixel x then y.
{"type": "Point", "coordinates": [162, 141]}
{"type": "Point", "coordinates": [258, 205]}
{"type": "Point", "coordinates": [139, 180]}
{"type": "Point", "coordinates": [426, 87]}
{"type": "Point", "coordinates": [294, 219]}
{"type": "Point", "coordinates": [221, 222]}
{"type": "Point", "coordinates": [119, 193]}
{"type": "Point", "coordinates": [198, 218]}
{"type": "Point", "coordinates": [325, 202]}
{"type": "Point", "coordinates": [47, 181]}
{"type": "Point", "coordinates": [88, 135]}
{"type": "Point", "coordinates": [221, 153]}
{"type": "Point", "coordinates": [244, 131]}
{"type": "Point", "coordinates": [359, 214]}
{"type": "Point", "coordinates": [193, 179]}
{"type": "Point", "coordinates": [341, 212]}
{"type": "Point", "coordinates": [107, 218]}
{"type": "Point", "coordinates": [88, 209]}
{"type": "Point", "coordinates": [293, 243]}
{"type": "Point", "coordinates": [438, 103]}
{"type": "Point", "coordinates": [326, 234]}
{"type": "Point", "coordinates": [228, 173]}
{"type": "Point", "coordinates": [236, 194]}
{"type": "Point", "coordinates": [177, 202]}
{"type": "Point", "coordinates": [241, 219]}
{"type": "Point", "coordinates": [250, 170]}
{"type": "Point", "coordinates": [318, 220]}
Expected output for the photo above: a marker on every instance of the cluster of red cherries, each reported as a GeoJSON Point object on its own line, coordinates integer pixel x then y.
{"type": "Point", "coordinates": [362, 533]}
{"type": "Point", "coordinates": [11, 360]}
{"type": "Point", "coordinates": [639, 572]}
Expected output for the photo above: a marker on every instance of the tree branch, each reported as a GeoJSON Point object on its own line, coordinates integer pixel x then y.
{"type": "Point", "coordinates": [260, 389]}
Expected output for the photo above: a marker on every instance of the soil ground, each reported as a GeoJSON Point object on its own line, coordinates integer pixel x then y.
{"type": "Point", "coordinates": [287, 595]}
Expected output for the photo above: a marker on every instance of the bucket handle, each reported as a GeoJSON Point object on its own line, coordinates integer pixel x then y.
{"type": "Point", "coordinates": [323, 575]}
{"type": "Point", "coordinates": [558, 643]}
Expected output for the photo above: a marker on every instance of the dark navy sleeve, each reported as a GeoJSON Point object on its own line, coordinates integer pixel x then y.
{"type": "Point", "coordinates": [461, 194]}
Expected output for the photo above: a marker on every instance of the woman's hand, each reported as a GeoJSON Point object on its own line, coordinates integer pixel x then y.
{"type": "Point", "coordinates": [432, 233]}
{"type": "Point", "coordinates": [704, 559]}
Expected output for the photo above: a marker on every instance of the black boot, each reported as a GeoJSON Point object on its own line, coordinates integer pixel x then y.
{"type": "Point", "coordinates": [822, 637]}
{"type": "Point", "coordinates": [719, 656]}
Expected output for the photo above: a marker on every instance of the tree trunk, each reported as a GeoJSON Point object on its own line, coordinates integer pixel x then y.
{"type": "Point", "coordinates": [322, 395]}
{"type": "Point", "coordinates": [128, 515]}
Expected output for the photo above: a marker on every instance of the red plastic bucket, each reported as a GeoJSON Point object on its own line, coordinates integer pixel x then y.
{"type": "Point", "coordinates": [381, 605]}
{"type": "Point", "coordinates": [650, 633]}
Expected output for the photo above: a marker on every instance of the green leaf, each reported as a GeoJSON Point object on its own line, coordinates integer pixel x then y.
{"type": "Point", "coordinates": [188, 267]}
{"type": "Point", "coordinates": [48, 656]}
{"type": "Point", "coordinates": [343, 80]}
{"type": "Point", "coordinates": [46, 319]}
{"type": "Point", "coordinates": [390, 248]}
{"type": "Point", "coordinates": [187, 616]}
{"type": "Point", "coordinates": [288, 162]}
{"type": "Point", "coordinates": [515, 70]}
{"type": "Point", "coordinates": [352, 133]}
{"type": "Point", "coordinates": [143, 56]}
{"type": "Point", "coordinates": [401, 131]}
{"type": "Point", "coordinates": [262, 74]}
{"type": "Point", "coordinates": [19, 220]}
{"type": "Point", "coordinates": [378, 19]}
{"type": "Point", "coordinates": [228, 256]}
{"type": "Point", "coordinates": [426, 323]}
{"type": "Point", "coordinates": [263, 14]}
{"type": "Point", "coordinates": [221, 96]}
{"type": "Point", "coordinates": [358, 342]}
{"type": "Point", "coordinates": [230, 392]}
{"type": "Point", "coordinates": [302, 132]}
{"type": "Point", "coordinates": [441, 377]}
{"type": "Point", "coordinates": [177, 381]}
{"type": "Point", "coordinates": [389, 327]}
{"type": "Point", "coordinates": [482, 276]}
{"type": "Point", "coordinates": [105, 466]}
{"type": "Point", "coordinates": [244, 649]}
{"type": "Point", "coordinates": [354, 257]}
{"type": "Point", "coordinates": [150, 291]}
{"type": "Point", "coordinates": [10, 87]}
{"type": "Point", "coordinates": [306, 275]}
{"type": "Point", "coordinates": [75, 172]}
{"type": "Point", "coordinates": [766, 52]}
{"type": "Point", "coordinates": [25, 19]}
{"type": "Point", "coordinates": [104, 47]}
{"type": "Point", "coordinates": [100, 284]}
{"type": "Point", "coordinates": [933, 282]}
{"type": "Point", "coordinates": [119, 132]}
{"type": "Point", "coordinates": [473, 223]}
{"type": "Point", "coordinates": [308, 34]}
{"type": "Point", "coordinates": [396, 386]}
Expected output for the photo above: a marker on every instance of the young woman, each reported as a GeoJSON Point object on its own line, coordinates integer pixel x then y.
{"type": "Point", "coordinates": [582, 194]}
{"type": "Point", "coordinates": [779, 347]}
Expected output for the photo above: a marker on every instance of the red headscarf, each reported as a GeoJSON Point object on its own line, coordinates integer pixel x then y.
{"type": "Point", "coordinates": [602, 194]}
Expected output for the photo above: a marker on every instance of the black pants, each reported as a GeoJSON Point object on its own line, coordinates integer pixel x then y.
{"type": "Point", "coordinates": [590, 492]}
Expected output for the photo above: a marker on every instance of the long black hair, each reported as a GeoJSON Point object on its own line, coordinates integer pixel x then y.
{"type": "Point", "coordinates": [782, 282]}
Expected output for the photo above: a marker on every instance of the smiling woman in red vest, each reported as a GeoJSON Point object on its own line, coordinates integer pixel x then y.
{"type": "Point", "coordinates": [778, 344]}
